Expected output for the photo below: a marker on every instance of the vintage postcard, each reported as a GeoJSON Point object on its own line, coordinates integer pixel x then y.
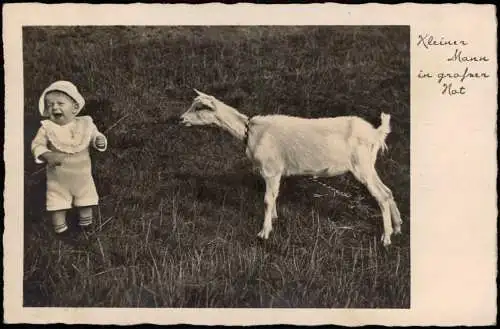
{"type": "Point", "coordinates": [250, 164]}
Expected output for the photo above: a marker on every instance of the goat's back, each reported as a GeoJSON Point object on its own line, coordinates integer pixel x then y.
{"type": "Point", "coordinates": [294, 145]}
{"type": "Point", "coordinates": [289, 126]}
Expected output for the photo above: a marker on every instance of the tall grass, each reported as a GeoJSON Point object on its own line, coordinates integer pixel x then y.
{"type": "Point", "coordinates": [180, 208]}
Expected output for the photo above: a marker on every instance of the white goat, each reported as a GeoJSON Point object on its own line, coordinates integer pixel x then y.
{"type": "Point", "coordinates": [280, 145]}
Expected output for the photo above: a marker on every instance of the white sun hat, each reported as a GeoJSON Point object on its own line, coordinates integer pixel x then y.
{"type": "Point", "coordinates": [65, 87]}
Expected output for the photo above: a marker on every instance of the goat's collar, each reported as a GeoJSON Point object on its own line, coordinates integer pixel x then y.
{"type": "Point", "coordinates": [245, 137]}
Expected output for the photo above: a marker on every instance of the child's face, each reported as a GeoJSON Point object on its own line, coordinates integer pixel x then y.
{"type": "Point", "coordinates": [61, 108]}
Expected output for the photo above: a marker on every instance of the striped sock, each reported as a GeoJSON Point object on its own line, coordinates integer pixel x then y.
{"type": "Point", "coordinates": [59, 228]}
{"type": "Point", "coordinates": [85, 221]}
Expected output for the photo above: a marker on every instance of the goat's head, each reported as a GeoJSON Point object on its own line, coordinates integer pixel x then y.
{"type": "Point", "coordinates": [203, 111]}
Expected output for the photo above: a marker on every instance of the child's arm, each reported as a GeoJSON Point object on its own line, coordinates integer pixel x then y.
{"type": "Point", "coordinates": [99, 141]}
{"type": "Point", "coordinates": [42, 153]}
{"type": "Point", "coordinates": [39, 145]}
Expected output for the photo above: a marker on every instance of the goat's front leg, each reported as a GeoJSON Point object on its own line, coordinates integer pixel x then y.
{"type": "Point", "coordinates": [272, 189]}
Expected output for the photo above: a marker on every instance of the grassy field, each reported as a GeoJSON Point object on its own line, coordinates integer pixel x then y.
{"type": "Point", "coordinates": [181, 207]}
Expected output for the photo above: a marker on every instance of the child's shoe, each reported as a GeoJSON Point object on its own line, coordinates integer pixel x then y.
{"type": "Point", "coordinates": [60, 227]}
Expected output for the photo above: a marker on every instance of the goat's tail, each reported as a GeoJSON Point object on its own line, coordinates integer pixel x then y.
{"type": "Point", "coordinates": [382, 131]}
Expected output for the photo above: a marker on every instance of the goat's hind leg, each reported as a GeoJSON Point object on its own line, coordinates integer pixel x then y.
{"type": "Point", "coordinates": [272, 189]}
{"type": "Point", "coordinates": [366, 174]}
{"type": "Point", "coordinates": [395, 214]}
{"type": "Point", "coordinates": [384, 204]}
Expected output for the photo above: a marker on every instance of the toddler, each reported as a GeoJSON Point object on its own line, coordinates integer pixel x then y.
{"type": "Point", "coordinates": [62, 142]}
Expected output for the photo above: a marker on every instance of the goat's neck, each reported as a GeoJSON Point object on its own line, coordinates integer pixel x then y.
{"type": "Point", "coordinates": [232, 121]}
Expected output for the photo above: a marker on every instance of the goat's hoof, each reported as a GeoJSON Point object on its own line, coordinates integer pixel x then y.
{"type": "Point", "coordinates": [263, 235]}
{"type": "Point", "coordinates": [397, 227]}
{"type": "Point", "coordinates": [386, 240]}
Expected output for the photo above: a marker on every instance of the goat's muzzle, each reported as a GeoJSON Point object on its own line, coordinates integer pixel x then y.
{"type": "Point", "coordinates": [182, 121]}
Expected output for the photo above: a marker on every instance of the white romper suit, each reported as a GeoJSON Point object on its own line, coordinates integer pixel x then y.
{"type": "Point", "coordinates": [71, 183]}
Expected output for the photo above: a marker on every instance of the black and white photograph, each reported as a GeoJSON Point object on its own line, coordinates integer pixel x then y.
{"type": "Point", "coordinates": [217, 166]}
{"type": "Point", "coordinates": [224, 166]}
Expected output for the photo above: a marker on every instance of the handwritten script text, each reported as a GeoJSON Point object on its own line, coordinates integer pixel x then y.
{"type": "Point", "coordinates": [453, 82]}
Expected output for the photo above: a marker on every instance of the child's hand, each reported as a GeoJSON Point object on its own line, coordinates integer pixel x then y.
{"type": "Point", "coordinates": [54, 159]}
{"type": "Point", "coordinates": [100, 141]}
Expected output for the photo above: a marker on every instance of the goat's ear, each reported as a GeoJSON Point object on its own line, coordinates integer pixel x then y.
{"type": "Point", "coordinates": [200, 93]}
{"type": "Point", "coordinates": [208, 103]}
